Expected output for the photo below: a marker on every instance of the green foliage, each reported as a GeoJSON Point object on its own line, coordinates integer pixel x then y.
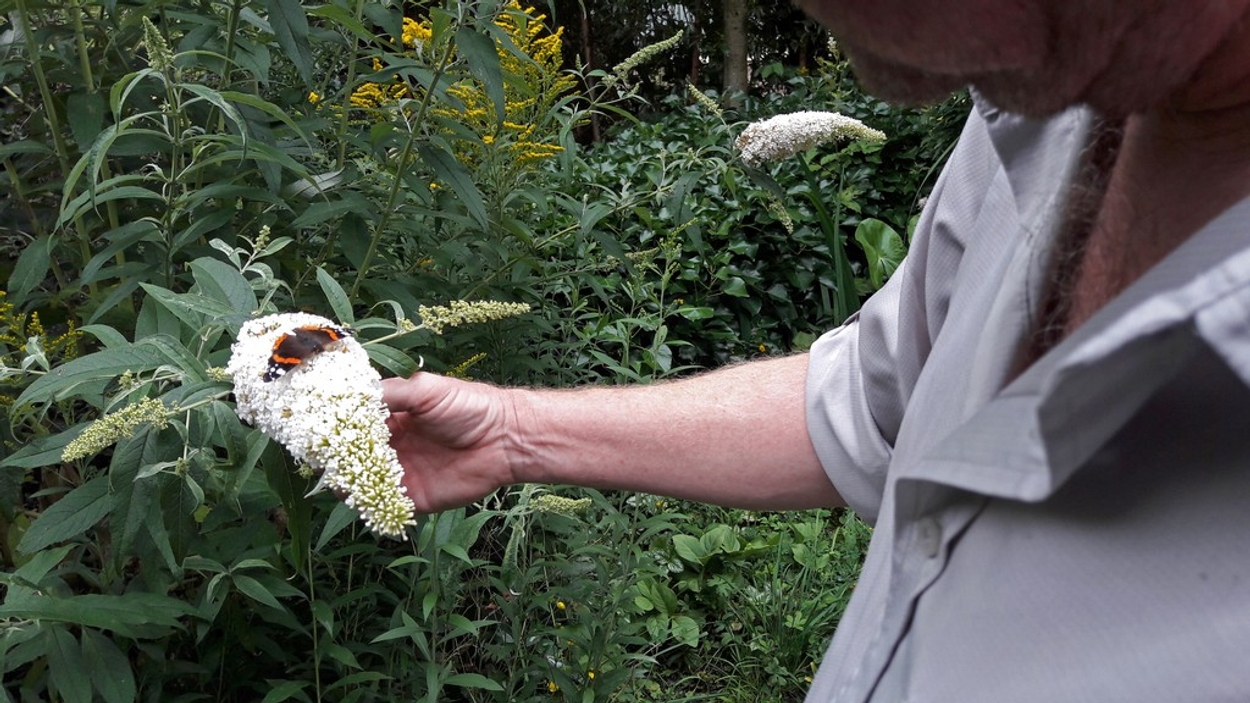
{"type": "Point", "coordinates": [742, 262]}
{"type": "Point", "coordinates": [171, 170]}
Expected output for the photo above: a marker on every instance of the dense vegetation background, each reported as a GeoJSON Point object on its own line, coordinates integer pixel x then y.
{"type": "Point", "coordinates": [173, 168]}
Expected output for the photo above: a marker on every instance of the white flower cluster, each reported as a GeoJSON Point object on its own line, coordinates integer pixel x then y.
{"type": "Point", "coordinates": [784, 136]}
{"type": "Point", "coordinates": [328, 413]}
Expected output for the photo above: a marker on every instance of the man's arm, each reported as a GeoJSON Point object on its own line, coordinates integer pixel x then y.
{"type": "Point", "coordinates": [735, 437]}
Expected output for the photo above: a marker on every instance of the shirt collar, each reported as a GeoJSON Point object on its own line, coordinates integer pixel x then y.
{"type": "Point", "coordinates": [1026, 442]}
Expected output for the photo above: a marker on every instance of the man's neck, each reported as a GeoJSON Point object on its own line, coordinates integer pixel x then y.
{"type": "Point", "coordinates": [1179, 166]}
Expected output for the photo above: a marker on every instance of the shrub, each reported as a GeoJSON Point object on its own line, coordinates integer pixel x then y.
{"type": "Point", "coordinates": [173, 170]}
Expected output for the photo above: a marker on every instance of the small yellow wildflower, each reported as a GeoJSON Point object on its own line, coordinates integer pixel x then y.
{"type": "Point", "coordinates": [552, 686]}
{"type": "Point", "coordinates": [314, 97]}
{"type": "Point", "coordinates": [560, 605]}
{"type": "Point", "coordinates": [591, 674]}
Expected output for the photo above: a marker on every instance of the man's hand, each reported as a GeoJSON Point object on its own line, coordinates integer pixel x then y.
{"type": "Point", "coordinates": [454, 438]}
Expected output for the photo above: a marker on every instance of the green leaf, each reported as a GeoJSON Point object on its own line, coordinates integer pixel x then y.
{"type": "Point", "coordinates": [25, 146]}
{"type": "Point", "coordinates": [457, 551]}
{"type": "Point", "coordinates": [192, 308]}
{"type": "Point", "coordinates": [685, 630]}
{"type": "Point", "coordinates": [285, 691]}
{"type": "Point", "coordinates": [70, 516]}
{"type": "Point", "coordinates": [449, 170]}
{"type": "Point", "coordinates": [26, 579]}
{"type": "Point", "coordinates": [93, 198]}
{"type": "Point", "coordinates": [44, 451]}
{"type": "Point", "coordinates": [230, 111]}
{"type": "Point", "coordinates": [120, 239]}
{"type": "Point", "coordinates": [266, 107]}
{"type": "Point", "coordinates": [319, 212]}
{"type": "Point", "coordinates": [720, 539]}
{"type": "Point", "coordinates": [343, 655]}
{"type": "Point", "coordinates": [66, 667]}
{"type": "Point", "coordinates": [357, 678]}
{"type": "Point", "coordinates": [108, 668]}
{"type": "Point", "coordinates": [392, 359]}
{"type": "Point", "coordinates": [176, 354]}
{"type": "Point", "coordinates": [736, 287]}
{"type": "Point", "coordinates": [479, 51]}
{"type": "Point", "coordinates": [122, 614]}
{"type": "Point", "coordinates": [323, 613]}
{"type": "Point", "coordinates": [472, 681]}
{"type": "Point", "coordinates": [108, 336]}
{"type": "Point", "coordinates": [290, 28]}
{"type": "Point", "coordinates": [222, 282]}
{"type": "Point", "coordinates": [85, 112]}
{"type": "Point", "coordinates": [339, 519]}
{"type": "Point", "coordinates": [282, 480]}
{"type": "Point", "coordinates": [689, 548]}
{"type": "Point", "coordinates": [254, 590]}
{"type": "Point", "coordinates": [344, 19]}
{"type": "Point", "coordinates": [30, 269]}
{"type": "Point", "coordinates": [883, 248]}
{"type": "Point", "coordinates": [336, 296]}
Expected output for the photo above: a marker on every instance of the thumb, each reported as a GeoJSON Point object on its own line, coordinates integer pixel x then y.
{"type": "Point", "coordinates": [412, 394]}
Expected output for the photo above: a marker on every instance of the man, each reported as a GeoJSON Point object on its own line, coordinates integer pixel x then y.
{"type": "Point", "coordinates": [1046, 411]}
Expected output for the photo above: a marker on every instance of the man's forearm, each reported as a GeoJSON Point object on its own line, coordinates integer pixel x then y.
{"type": "Point", "coordinates": [734, 437]}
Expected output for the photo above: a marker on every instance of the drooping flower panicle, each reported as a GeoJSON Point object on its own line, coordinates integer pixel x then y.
{"type": "Point", "coordinates": [328, 413]}
{"type": "Point", "coordinates": [783, 136]}
{"type": "Point", "coordinates": [437, 318]}
{"type": "Point", "coordinates": [115, 427]}
{"type": "Point", "coordinates": [620, 72]}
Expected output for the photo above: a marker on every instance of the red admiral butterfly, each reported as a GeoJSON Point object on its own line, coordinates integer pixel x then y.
{"type": "Point", "coordinates": [295, 347]}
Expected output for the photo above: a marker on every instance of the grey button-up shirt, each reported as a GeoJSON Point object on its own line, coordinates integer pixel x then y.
{"type": "Point", "coordinates": [1080, 533]}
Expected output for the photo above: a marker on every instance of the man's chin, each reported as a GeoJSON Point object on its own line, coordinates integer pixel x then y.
{"type": "Point", "coordinates": [1008, 90]}
{"type": "Point", "coordinates": [901, 84]}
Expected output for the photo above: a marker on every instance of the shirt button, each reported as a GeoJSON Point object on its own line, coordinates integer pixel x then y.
{"type": "Point", "coordinates": [928, 536]}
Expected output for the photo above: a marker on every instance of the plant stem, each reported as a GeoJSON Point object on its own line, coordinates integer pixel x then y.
{"type": "Point", "coordinates": [49, 112]}
{"type": "Point", "coordinates": [400, 166]}
{"type": "Point", "coordinates": [45, 92]}
{"type": "Point", "coordinates": [845, 300]}
{"type": "Point", "coordinates": [352, 58]}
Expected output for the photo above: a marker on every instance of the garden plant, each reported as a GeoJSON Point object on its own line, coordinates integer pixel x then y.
{"type": "Point", "coordinates": [410, 176]}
